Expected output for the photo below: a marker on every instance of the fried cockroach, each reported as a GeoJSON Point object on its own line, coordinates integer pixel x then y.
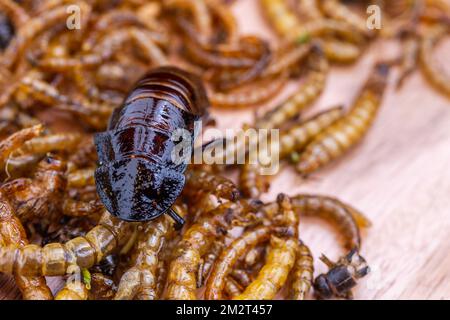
{"type": "Point", "coordinates": [182, 282]}
{"type": "Point", "coordinates": [13, 233]}
{"type": "Point", "coordinates": [336, 140]}
{"type": "Point", "coordinates": [302, 273]}
{"type": "Point", "coordinates": [139, 143]}
{"type": "Point", "coordinates": [273, 275]}
{"type": "Point", "coordinates": [342, 276]}
{"type": "Point", "coordinates": [54, 259]}
{"type": "Point", "coordinates": [229, 256]}
{"type": "Point", "coordinates": [308, 92]}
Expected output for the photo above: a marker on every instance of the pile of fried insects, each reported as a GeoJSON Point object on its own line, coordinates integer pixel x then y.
{"type": "Point", "coordinates": [52, 220]}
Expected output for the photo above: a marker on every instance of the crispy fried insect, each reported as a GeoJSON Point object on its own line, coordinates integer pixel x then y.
{"type": "Point", "coordinates": [347, 219]}
{"type": "Point", "coordinates": [15, 11]}
{"type": "Point", "coordinates": [339, 51]}
{"type": "Point", "coordinates": [205, 182]}
{"type": "Point", "coordinates": [229, 256]}
{"type": "Point", "coordinates": [308, 92]}
{"type": "Point", "coordinates": [32, 28]}
{"type": "Point", "coordinates": [251, 181]}
{"type": "Point", "coordinates": [273, 275]}
{"type": "Point", "coordinates": [433, 72]}
{"type": "Point", "coordinates": [166, 99]}
{"type": "Point", "coordinates": [333, 142]}
{"type": "Point", "coordinates": [287, 24]}
{"type": "Point", "coordinates": [342, 276]}
{"type": "Point", "coordinates": [81, 178]}
{"type": "Point", "coordinates": [285, 60]}
{"type": "Point", "coordinates": [302, 273]}
{"type": "Point", "coordinates": [249, 96]}
{"type": "Point", "coordinates": [53, 142]}
{"type": "Point", "coordinates": [309, 9]}
{"type": "Point", "coordinates": [102, 287]}
{"type": "Point", "coordinates": [195, 243]}
{"type": "Point", "coordinates": [76, 287]}
{"type": "Point", "coordinates": [140, 280]}
{"type": "Point", "coordinates": [338, 11]}
{"type": "Point", "coordinates": [54, 259]}
{"type": "Point", "coordinates": [40, 196]}
{"type": "Point", "coordinates": [232, 287]}
{"type": "Point", "coordinates": [296, 137]}
{"type": "Point", "coordinates": [16, 140]}
{"type": "Point", "coordinates": [13, 233]}
{"type": "Point", "coordinates": [201, 14]}
{"type": "Point", "coordinates": [77, 208]}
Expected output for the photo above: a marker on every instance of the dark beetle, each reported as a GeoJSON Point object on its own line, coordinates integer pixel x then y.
{"type": "Point", "coordinates": [341, 277]}
{"type": "Point", "coordinates": [137, 178]}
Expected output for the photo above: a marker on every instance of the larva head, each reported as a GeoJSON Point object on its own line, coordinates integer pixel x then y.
{"type": "Point", "coordinates": [136, 189]}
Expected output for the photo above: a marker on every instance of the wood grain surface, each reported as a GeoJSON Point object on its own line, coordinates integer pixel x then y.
{"type": "Point", "coordinates": [399, 176]}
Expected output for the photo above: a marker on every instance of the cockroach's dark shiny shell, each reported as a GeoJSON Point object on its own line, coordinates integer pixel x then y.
{"type": "Point", "coordinates": [137, 179]}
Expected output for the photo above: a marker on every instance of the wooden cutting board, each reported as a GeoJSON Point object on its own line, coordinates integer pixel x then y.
{"type": "Point", "coordinates": [399, 177]}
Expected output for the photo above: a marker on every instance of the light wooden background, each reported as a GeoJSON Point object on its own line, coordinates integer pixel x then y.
{"type": "Point", "coordinates": [399, 176]}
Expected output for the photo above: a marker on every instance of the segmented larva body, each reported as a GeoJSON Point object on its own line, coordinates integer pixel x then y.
{"type": "Point", "coordinates": [308, 92]}
{"type": "Point", "coordinates": [232, 287]}
{"type": "Point", "coordinates": [296, 137]}
{"type": "Point", "coordinates": [202, 182]}
{"type": "Point", "coordinates": [433, 72]}
{"type": "Point", "coordinates": [339, 51]}
{"type": "Point", "coordinates": [251, 182]}
{"type": "Point", "coordinates": [288, 25]}
{"type": "Point", "coordinates": [13, 233]}
{"type": "Point", "coordinates": [40, 196]}
{"type": "Point", "coordinates": [330, 209]}
{"type": "Point", "coordinates": [302, 273]}
{"type": "Point", "coordinates": [273, 275]}
{"type": "Point", "coordinates": [54, 259]}
{"type": "Point", "coordinates": [16, 140]}
{"type": "Point", "coordinates": [229, 256]}
{"type": "Point", "coordinates": [336, 140]}
{"type": "Point", "coordinates": [140, 280]}
{"type": "Point", "coordinates": [53, 142]}
{"type": "Point", "coordinates": [81, 178]}
{"type": "Point", "coordinates": [139, 143]}
{"type": "Point", "coordinates": [338, 11]}
{"type": "Point", "coordinates": [182, 282]}
{"type": "Point", "coordinates": [244, 98]}
{"type": "Point", "coordinates": [74, 289]}
{"type": "Point", "coordinates": [309, 9]}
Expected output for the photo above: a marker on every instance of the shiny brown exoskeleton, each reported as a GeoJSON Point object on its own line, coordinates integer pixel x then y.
{"type": "Point", "coordinates": [341, 277]}
{"type": "Point", "coordinates": [138, 177]}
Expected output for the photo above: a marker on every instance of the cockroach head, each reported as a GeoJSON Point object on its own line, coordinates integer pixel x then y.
{"type": "Point", "coordinates": [136, 189]}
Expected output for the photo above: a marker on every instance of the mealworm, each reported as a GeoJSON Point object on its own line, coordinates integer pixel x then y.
{"type": "Point", "coordinates": [337, 139]}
